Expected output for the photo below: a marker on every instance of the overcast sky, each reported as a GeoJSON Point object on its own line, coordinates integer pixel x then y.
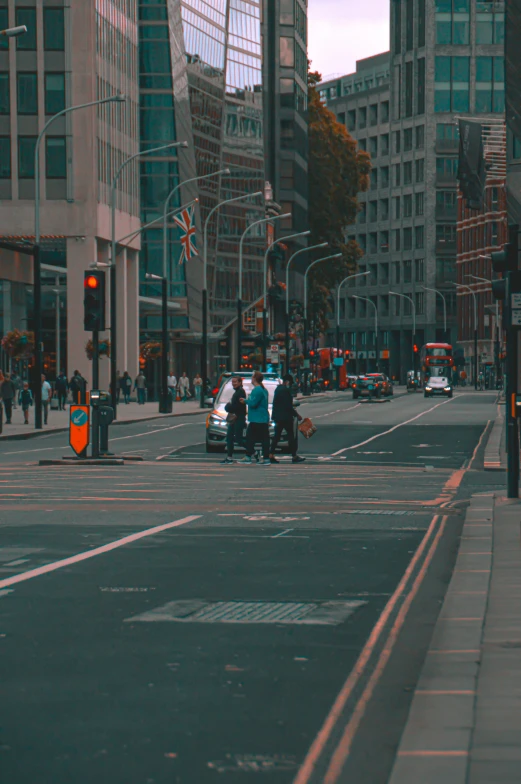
{"type": "Point", "coordinates": [343, 31]}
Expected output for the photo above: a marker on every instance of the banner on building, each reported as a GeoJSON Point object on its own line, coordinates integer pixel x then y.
{"type": "Point", "coordinates": [513, 66]}
{"type": "Point", "coordinates": [472, 173]}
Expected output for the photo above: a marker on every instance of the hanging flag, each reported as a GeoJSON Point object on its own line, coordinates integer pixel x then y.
{"type": "Point", "coordinates": [185, 221]}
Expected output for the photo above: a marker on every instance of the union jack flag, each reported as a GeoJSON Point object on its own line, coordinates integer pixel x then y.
{"type": "Point", "coordinates": [185, 221]}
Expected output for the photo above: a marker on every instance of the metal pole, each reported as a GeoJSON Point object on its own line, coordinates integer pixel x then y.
{"type": "Point", "coordinates": [294, 256]}
{"type": "Point", "coordinates": [112, 273]}
{"type": "Point", "coordinates": [338, 354]}
{"type": "Point", "coordinates": [286, 326]}
{"type": "Point", "coordinates": [58, 329]}
{"type": "Point", "coordinates": [306, 356]}
{"type": "Point", "coordinates": [165, 406]}
{"type": "Point", "coordinates": [95, 385]}
{"type": "Point", "coordinates": [511, 418]}
{"type": "Point", "coordinates": [239, 298]}
{"type": "Point", "coordinates": [264, 338]}
{"type": "Point", "coordinates": [204, 349]}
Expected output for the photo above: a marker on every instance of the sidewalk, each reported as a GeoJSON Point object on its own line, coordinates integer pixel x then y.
{"type": "Point", "coordinates": [464, 725]}
{"type": "Point", "coordinates": [59, 420]}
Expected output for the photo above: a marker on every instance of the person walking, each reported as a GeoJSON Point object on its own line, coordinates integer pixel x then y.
{"type": "Point", "coordinates": [46, 398]}
{"type": "Point", "coordinates": [198, 385]}
{"type": "Point", "coordinates": [25, 399]}
{"type": "Point", "coordinates": [236, 419]}
{"type": "Point", "coordinates": [126, 387]}
{"type": "Point", "coordinates": [171, 382]}
{"type": "Point", "coordinates": [8, 393]}
{"type": "Point", "coordinates": [17, 382]}
{"type": "Point", "coordinates": [140, 386]}
{"type": "Point", "coordinates": [61, 388]}
{"type": "Point", "coordinates": [259, 420]}
{"type": "Point", "coordinates": [118, 386]}
{"type": "Point", "coordinates": [284, 415]}
{"type": "Point", "coordinates": [78, 387]}
{"type": "Point", "coordinates": [184, 387]}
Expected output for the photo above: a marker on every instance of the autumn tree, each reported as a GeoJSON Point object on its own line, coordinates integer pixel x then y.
{"type": "Point", "coordinates": [338, 172]}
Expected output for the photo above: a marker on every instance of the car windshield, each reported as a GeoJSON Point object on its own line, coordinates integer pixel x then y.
{"type": "Point", "coordinates": [439, 381]}
{"type": "Point", "coordinates": [226, 393]}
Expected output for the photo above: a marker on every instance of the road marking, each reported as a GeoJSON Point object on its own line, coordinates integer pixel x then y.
{"type": "Point", "coordinates": [287, 531]}
{"type": "Point", "coordinates": [19, 562]}
{"type": "Point", "coordinates": [392, 429]}
{"type": "Point", "coordinates": [106, 548]}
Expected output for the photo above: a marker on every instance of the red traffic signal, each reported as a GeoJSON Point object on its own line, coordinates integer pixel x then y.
{"type": "Point", "coordinates": [415, 348]}
{"type": "Point", "coordinates": [94, 301]}
{"type": "Point", "coordinates": [91, 282]}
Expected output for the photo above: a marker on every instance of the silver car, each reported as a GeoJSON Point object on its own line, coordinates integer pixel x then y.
{"type": "Point", "coordinates": [216, 424]}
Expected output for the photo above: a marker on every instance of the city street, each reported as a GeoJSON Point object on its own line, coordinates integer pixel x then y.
{"type": "Point", "coordinates": [180, 620]}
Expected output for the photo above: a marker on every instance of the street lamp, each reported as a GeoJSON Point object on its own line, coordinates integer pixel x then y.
{"type": "Point", "coordinates": [265, 299]}
{"type": "Point", "coordinates": [37, 307]}
{"type": "Point", "coordinates": [239, 298]}
{"type": "Point", "coordinates": [165, 402]}
{"type": "Point", "coordinates": [113, 281]}
{"type": "Point", "coordinates": [367, 299]}
{"type": "Point", "coordinates": [464, 286]}
{"type": "Point", "coordinates": [413, 306]}
{"type": "Point", "coordinates": [438, 292]}
{"type": "Point", "coordinates": [497, 341]}
{"type": "Point", "coordinates": [349, 277]}
{"type": "Point", "coordinates": [294, 256]}
{"type": "Point", "coordinates": [313, 264]}
{"type": "Point", "coordinates": [204, 351]}
{"type": "Point", "coordinates": [14, 32]}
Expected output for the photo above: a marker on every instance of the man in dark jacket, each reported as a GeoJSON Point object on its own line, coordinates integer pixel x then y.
{"type": "Point", "coordinates": [284, 416]}
{"type": "Point", "coordinates": [7, 394]}
{"type": "Point", "coordinates": [237, 410]}
{"type": "Point", "coordinates": [61, 387]}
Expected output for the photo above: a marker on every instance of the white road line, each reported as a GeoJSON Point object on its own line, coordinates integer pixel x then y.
{"type": "Point", "coordinates": [106, 548]}
{"type": "Point", "coordinates": [392, 429]}
{"type": "Point", "coordinates": [287, 531]}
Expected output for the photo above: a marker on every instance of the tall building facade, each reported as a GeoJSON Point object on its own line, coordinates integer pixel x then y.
{"type": "Point", "coordinates": [72, 53]}
{"type": "Point", "coordinates": [446, 62]}
{"type": "Point", "coordinates": [204, 59]}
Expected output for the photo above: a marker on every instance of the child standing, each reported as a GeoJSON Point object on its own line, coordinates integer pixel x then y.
{"type": "Point", "coordinates": [25, 399]}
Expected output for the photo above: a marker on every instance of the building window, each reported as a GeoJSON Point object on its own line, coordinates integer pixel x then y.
{"type": "Point", "coordinates": [362, 117]}
{"type": "Point", "coordinates": [374, 179]}
{"type": "Point", "coordinates": [362, 144]}
{"type": "Point", "coordinates": [494, 233]}
{"type": "Point", "coordinates": [373, 211]}
{"type": "Point", "coordinates": [396, 273]}
{"type": "Point", "coordinates": [452, 78]}
{"type": "Point", "coordinates": [421, 23]}
{"type": "Point", "coordinates": [5, 157]}
{"type": "Point", "coordinates": [407, 271]}
{"type": "Point", "coordinates": [384, 144]}
{"type": "Point", "coordinates": [5, 103]}
{"type": "Point", "coordinates": [407, 239]}
{"type": "Point", "coordinates": [287, 133]}
{"type": "Point", "coordinates": [494, 199]}
{"type": "Point", "coordinates": [446, 167]}
{"type": "Point", "coordinates": [27, 17]}
{"type": "Point", "coordinates": [397, 6]}
{"type": "Point", "coordinates": [397, 245]}
{"type": "Point", "coordinates": [287, 52]}
{"type": "Point", "coordinates": [397, 174]}
{"type": "Point", "coordinates": [373, 114]}
{"type": "Point", "coordinates": [452, 22]}
{"type": "Point", "coordinates": [26, 147]}
{"type": "Point", "coordinates": [4, 24]}
{"type": "Point", "coordinates": [420, 137]}
{"type": "Point", "coordinates": [407, 140]}
{"type": "Point", "coordinates": [55, 157]}
{"type": "Point", "coordinates": [409, 25]}
{"type": "Point", "coordinates": [418, 237]}
{"type": "Point", "coordinates": [419, 270]}
{"type": "Point", "coordinates": [396, 305]}
{"type": "Point", "coordinates": [420, 100]}
{"type": "Point", "coordinates": [420, 169]}
{"type": "Point", "coordinates": [407, 206]}
{"type": "Point", "coordinates": [384, 112]}
{"type": "Point", "coordinates": [490, 25]}
{"type": "Point", "coordinates": [447, 131]}
{"type": "Point", "coordinates": [490, 84]}
{"type": "Point", "coordinates": [287, 12]}
{"type": "Point", "coordinates": [397, 210]}
{"type": "Point", "coordinates": [287, 175]}
{"type": "Point", "coordinates": [384, 209]}
{"type": "Point", "coordinates": [407, 173]}
{"type": "Point", "coordinates": [397, 141]}
{"type": "Point", "coordinates": [420, 303]}
{"type": "Point", "coordinates": [446, 204]}
{"type": "Point", "coordinates": [53, 29]}
{"type": "Point", "coordinates": [419, 203]}
{"type": "Point", "coordinates": [362, 214]}
{"type": "Point", "coordinates": [408, 88]}
{"type": "Point", "coordinates": [516, 148]}
{"type": "Point", "coordinates": [384, 241]}
{"type": "Point", "coordinates": [27, 88]}
{"type": "Point", "coordinates": [384, 177]}
{"type": "Point", "coordinates": [373, 243]}
{"type": "Point", "coordinates": [373, 146]}
{"type": "Point", "coordinates": [351, 119]}
{"type": "Point", "coordinates": [341, 118]}
{"type": "Point", "coordinates": [397, 91]}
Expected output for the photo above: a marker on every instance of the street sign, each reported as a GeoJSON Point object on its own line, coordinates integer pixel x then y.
{"type": "Point", "coordinates": [275, 353]}
{"type": "Point", "coordinates": [79, 434]}
{"type": "Point", "coordinates": [384, 354]}
{"type": "Point", "coordinates": [516, 318]}
{"type": "Point", "coordinates": [516, 301]}
{"type": "Point", "coordinates": [338, 361]}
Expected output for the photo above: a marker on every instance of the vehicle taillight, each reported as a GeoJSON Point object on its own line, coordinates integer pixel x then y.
{"type": "Point", "coordinates": [215, 391]}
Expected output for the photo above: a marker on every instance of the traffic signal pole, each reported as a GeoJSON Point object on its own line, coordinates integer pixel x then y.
{"type": "Point", "coordinates": [511, 416]}
{"type": "Point", "coordinates": [95, 385]}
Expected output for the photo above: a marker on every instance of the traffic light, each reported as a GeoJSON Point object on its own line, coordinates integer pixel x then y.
{"type": "Point", "coordinates": [94, 301]}
{"type": "Point", "coordinates": [415, 348]}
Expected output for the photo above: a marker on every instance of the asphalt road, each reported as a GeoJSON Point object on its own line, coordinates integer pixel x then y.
{"type": "Point", "coordinates": [178, 620]}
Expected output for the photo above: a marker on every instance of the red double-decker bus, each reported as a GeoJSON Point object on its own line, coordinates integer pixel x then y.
{"type": "Point", "coordinates": [436, 360]}
{"type": "Point", "coordinates": [326, 358]}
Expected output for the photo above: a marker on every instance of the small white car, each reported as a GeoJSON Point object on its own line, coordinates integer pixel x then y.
{"type": "Point", "coordinates": [438, 385]}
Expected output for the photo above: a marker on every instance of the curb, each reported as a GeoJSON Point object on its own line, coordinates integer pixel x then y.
{"type": "Point", "coordinates": [436, 741]}
{"type": "Point", "coordinates": [493, 457]}
{"type": "Point", "coordinates": [43, 432]}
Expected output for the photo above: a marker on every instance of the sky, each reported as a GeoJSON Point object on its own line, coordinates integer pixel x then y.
{"type": "Point", "coordinates": [344, 31]}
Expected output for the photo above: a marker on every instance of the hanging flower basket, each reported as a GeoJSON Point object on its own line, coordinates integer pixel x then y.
{"type": "Point", "coordinates": [104, 349]}
{"type": "Point", "coordinates": [150, 350]}
{"type": "Point", "coordinates": [18, 345]}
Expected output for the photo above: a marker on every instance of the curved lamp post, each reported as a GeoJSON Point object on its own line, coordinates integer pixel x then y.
{"type": "Point", "coordinates": [413, 306]}
{"type": "Point", "coordinates": [288, 265]}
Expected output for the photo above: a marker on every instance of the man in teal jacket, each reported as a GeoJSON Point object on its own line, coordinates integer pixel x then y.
{"type": "Point", "coordinates": [259, 420]}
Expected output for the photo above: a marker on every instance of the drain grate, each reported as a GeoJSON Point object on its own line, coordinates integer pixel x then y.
{"type": "Point", "coordinates": [199, 611]}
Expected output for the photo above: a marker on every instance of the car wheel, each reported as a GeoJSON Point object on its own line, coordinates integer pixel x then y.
{"type": "Point", "coordinates": [355, 395]}
{"type": "Point", "coordinates": [426, 395]}
{"type": "Point", "coordinates": [212, 449]}
{"type": "Point", "coordinates": [450, 394]}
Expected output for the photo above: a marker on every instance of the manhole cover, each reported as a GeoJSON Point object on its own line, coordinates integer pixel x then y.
{"type": "Point", "coordinates": [199, 611]}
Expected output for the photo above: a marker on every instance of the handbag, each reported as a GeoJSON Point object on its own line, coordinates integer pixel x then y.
{"type": "Point", "coordinates": [307, 428]}
{"type": "Point", "coordinates": [231, 418]}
